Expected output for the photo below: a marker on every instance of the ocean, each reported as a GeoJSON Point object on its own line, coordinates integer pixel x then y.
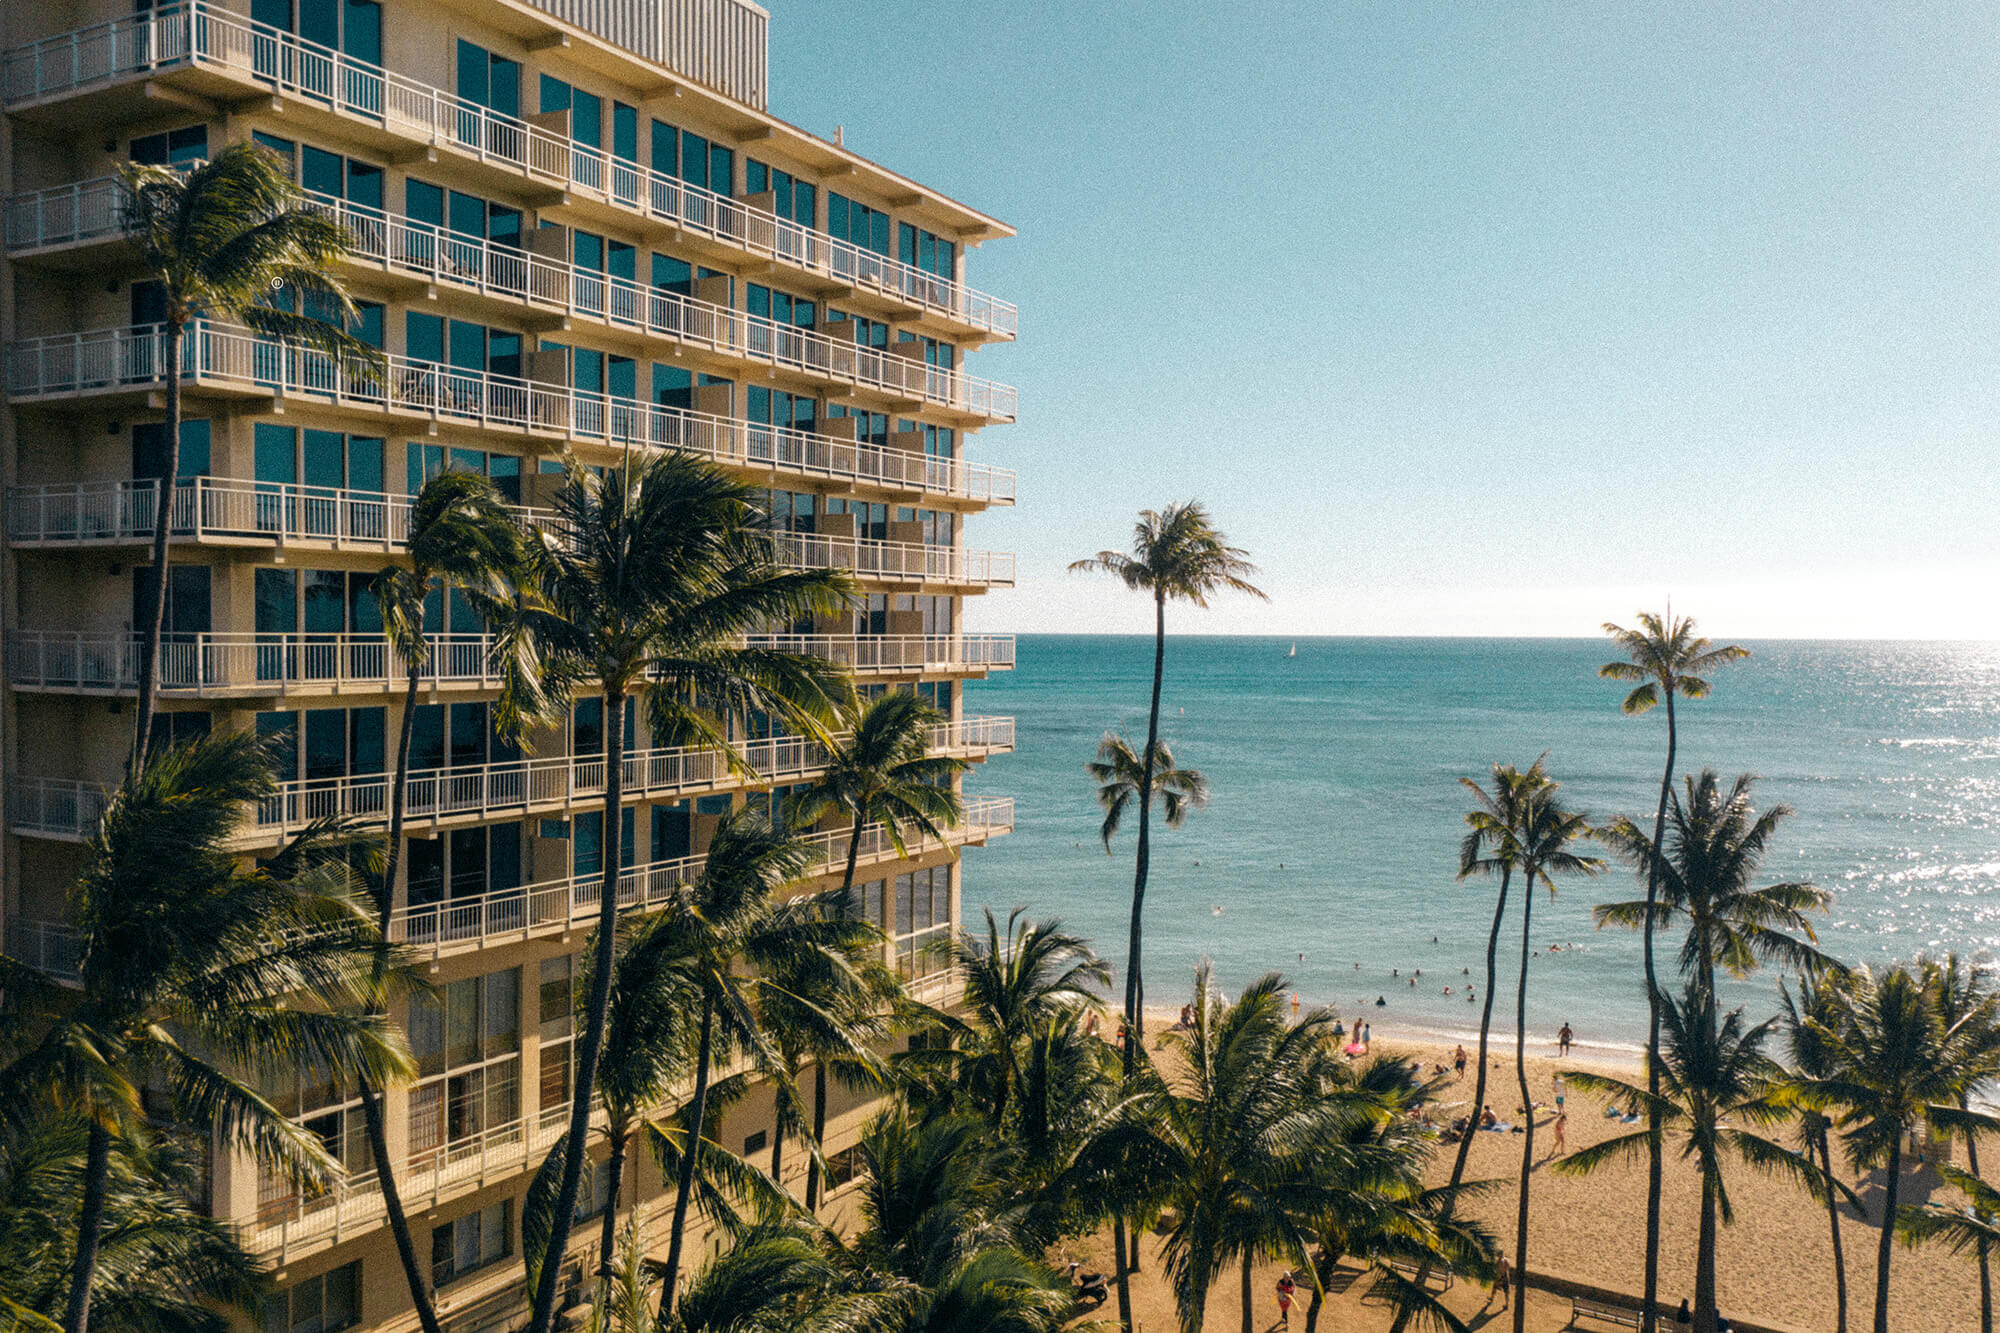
{"type": "Point", "coordinates": [1328, 850]}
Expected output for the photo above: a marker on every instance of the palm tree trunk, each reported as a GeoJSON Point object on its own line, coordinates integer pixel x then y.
{"type": "Point", "coordinates": [1985, 1260]}
{"type": "Point", "coordinates": [819, 1134]}
{"type": "Point", "coordinates": [608, 1235]}
{"type": "Point", "coordinates": [1249, 1313]}
{"type": "Point", "coordinates": [1478, 1083]}
{"type": "Point", "coordinates": [697, 1111]}
{"type": "Point", "coordinates": [399, 789]}
{"type": "Point", "coordinates": [89, 1229]}
{"type": "Point", "coordinates": [778, 1128]}
{"type": "Point", "coordinates": [1527, 1105]}
{"type": "Point", "coordinates": [853, 858]}
{"type": "Point", "coordinates": [1704, 1256]}
{"type": "Point", "coordinates": [1135, 994]}
{"type": "Point", "coordinates": [163, 511]}
{"type": "Point", "coordinates": [1123, 1280]}
{"type": "Point", "coordinates": [592, 1044]}
{"type": "Point", "coordinates": [1833, 1222]}
{"type": "Point", "coordinates": [1323, 1263]}
{"type": "Point", "coordinates": [1655, 1164]}
{"type": "Point", "coordinates": [1885, 1248]}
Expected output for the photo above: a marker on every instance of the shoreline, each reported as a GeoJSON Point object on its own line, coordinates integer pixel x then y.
{"type": "Point", "coordinates": [1429, 1042]}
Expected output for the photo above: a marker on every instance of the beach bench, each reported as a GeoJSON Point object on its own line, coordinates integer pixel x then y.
{"type": "Point", "coordinates": [1603, 1312]}
{"type": "Point", "coordinates": [1439, 1278]}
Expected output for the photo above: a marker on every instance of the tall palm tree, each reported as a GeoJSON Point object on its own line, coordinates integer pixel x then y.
{"type": "Point", "coordinates": [1897, 1065]}
{"type": "Point", "coordinates": [1666, 659]}
{"type": "Point", "coordinates": [775, 1275]}
{"type": "Point", "coordinates": [1547, 833]}
{"type": "Point", "coordinates": [1974, 1228]}
{"type": "Point", "coordinates": [461, 539]}
{"type": "Point", "coordinates": [220, 239]}
{"type": "Point", "coordinates": [883, 772]}
{"type": "Point", "coordinates": [731, 919]}
{"type": "Point", "coordinates": [162, 1266]}
{"type": "Point", "coordinates": [1809, 1058]}
{"type": "Point", "coordinates": [1715, 844]}
{"type": "Point", "coordinates": [648, 579]}
{"type": "Point", "coordinates": [1120, 779]}
{"type": "Point", "coordinates": [1177, 555]}
{"type": "Point", "coordinates": [1966, 997]}
{"type": "Point", "coordinates": [1717, 1092]}
{"type": "Point", "coordinates": [190, 974]}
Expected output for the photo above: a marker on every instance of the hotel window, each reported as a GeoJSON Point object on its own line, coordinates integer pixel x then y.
{"type": "Point", "coordinates": [855, 222]}
{"type": "Point", "coordinates": [316, 1101]}
{"type": "Point", "coordinates": [586, 110]}
{"type": "Point", "coordinates": [921, 250]}
{"type": "Point", "coordinates": [466, 1039]}
{"type": "Point", "coordinates": [337, 742]}
{"type": "Point", "coordinates": [673, 831]}
{"type": "Point", "coordinates": [869, 427]}
{"type": "Point", "coordinates": [940, 526]}
{"type": "Point", "coordinates": [937, 612]}
{"type": "Point", "coordinates": [923, 921]}
{"type": "Point", "coordinates": [556, 1002]}
{"type": "Point", "coordinates": [870, 520]}
{"type": "Point", "coordinates": [472, 347]}
{"type": "Point", "coordinates": [338, 177]}
{"type": "Point", "coordinates": [865, 903]}
{"type": "Point", "coordinates": [689, 157]}
{"type": "Point", "coordinates": [149, 450]}
{"type": "Point", "coordinates": [489, 80]}
{"type": "Point", "coordinates": [791, 511]}
{"type": "Point", "coordinates": [794, 200]}
{"type": "Point", "coordinates": [172, 148]}
{"type": "Point", "coordinates": [846, 1165]}
{"type": "Point", "coordinates": [624, 132]}
{"type": "Point", "coordinates": [189, 598]}
{"type": "Point", "coordinates": [586, 841]}
{"type": "Point", "coordinates": [483, 859]}
{"type": "Point", "coordinates": [421, 462]}
{"type": "Point", "coordinates": [937, 693]}
{"type": "Point", "coordinates": [472, 1242]}
{"type": "Point", "coordinates": [323, 1304]}
{"type": "Point", "coordinates": [462, 735]}
{"type": "Point", "coordinates": [867, 332]}
{"type": "Point", "coordinates": [781, 307]}
{"type": "Point", "coordinates": [775, 407]}
{"type": "Point", "coordinates": [323, 459]}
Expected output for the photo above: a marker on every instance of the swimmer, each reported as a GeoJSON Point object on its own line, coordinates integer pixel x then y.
{"type": "Point", "coordinates": [1215, 910]}
{"type": "Point", "coordinates": [1447, 990]}
{"type": "Point", "coordinates": [1420, 971]}
{"type": "Point", "coordinates": [1465, 971]}
{"type": "Point", "coordinates": [1413, 983]}
{"type": "Point", "coordinates": [1395, 972]}
{"type": "Point", "coordinates": [1381, 1002]}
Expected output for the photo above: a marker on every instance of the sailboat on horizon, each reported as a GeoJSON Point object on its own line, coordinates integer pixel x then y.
{"type": "Point", "coordinates": [1294, 652]}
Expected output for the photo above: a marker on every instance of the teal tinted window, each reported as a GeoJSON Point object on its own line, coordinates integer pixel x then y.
{"type": "Point", "coordinates": [423, 202]}
{"type": "Point", "coordinates": [325, 459]}
{"type": "Point", "coordinates": [319, 21]}
{"type": "Point", "coordinates": [468, 214]}
{"type": "Point", "coordinates": [275, 448]}
{"type": "Point", "coordinates": [361, 31]}
{"type": "Point", "coordinates": [174, 148]}
{"type": "Point", "coordinates": [624, 132]}
{"type": "Point", "coordinates": [586, 119]}
{"type": "Point", "coordinates": [694, 159]}
{"type": "Point", "coordinates": [666, 149]}
{"type": "Point", "coordinates": [423, 336]}
{"type": "Point", "coordinates": [468, 345]}
{"type": "Point", "coordinates": [149, 450]}
{"type": "Point", "coordinates": [277, 600]}
{"type": "Point", "coordinates": [621, 260]}
{"type": "Point", "coordinates": [674, 275]}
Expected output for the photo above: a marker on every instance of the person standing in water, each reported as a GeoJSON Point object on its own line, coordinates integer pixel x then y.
{"type": "Point", "coordinates": [1563, 1040]}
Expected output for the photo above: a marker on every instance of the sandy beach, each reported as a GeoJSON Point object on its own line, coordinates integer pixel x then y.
{"type": "Point", "coordinates": [1775, 1264]}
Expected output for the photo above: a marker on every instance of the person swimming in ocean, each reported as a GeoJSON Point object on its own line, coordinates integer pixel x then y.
{"type": "Point", "coordinates": [1381, 1002]}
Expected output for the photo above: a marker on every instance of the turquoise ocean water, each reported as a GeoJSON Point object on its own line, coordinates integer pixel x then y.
{"type": "Point", "coordinates": [1336, 814]}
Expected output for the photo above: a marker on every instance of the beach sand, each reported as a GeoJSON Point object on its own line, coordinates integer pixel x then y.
{"type": "Point", "coordinates": [1774, 1264]}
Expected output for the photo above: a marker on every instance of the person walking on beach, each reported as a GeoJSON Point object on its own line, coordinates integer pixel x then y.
{"type": "Point", "coordinates": [1285, 1289]}
{"type": "Point", "coordinates": [1458, 1061]}
{"type": "Point", "coordinates": [1503, 1278]}
{"type": "Point", "coordinates": [1563, 1039]}
{"type": "Point", "coordinates": [1562, 1125]}
{"type": "Point", "coordinates": [1562, 1090]}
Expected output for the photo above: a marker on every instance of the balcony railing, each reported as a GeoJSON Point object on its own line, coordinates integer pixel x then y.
{"type": "Point", "coordinates": [898, 562]}
{"type": "Point", "coordinates": [220, 664]}
{"type": "Point", "coordinates": [198, 34]}
{"type": "Point", "coordinates": [535, 910]}
{"type": "Point", "coordinates": [520, 786]}
{"type": "Point", "coordinates": [897, 654]}
{"type": "Point", "coordinates": [135, 358]}
{"type": "Point", "coordinates": [50, 946]}
{"type": "Point", "coordinates": [67, 214]}
{"type": "Point", "coordinates": [54, 807]}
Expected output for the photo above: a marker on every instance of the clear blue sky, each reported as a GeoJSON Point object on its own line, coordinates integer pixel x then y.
{"type": "Point", "coordinates": [1493, 318]}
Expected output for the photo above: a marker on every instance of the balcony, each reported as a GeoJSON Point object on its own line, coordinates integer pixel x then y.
{"type": "Point", "coordinates": [913, 563]}
{"type": "Point", "coordinates": [50, 946]}
{"type": "Point", "coordinates": [54, 807]}
{"type": "Point", "coordinates": [215, 666]}
{"type": "Point", "coordinates": [229, 359]}
{"type": "Point", "coordinates": [222, 55]}
{"type": "Point", "coordinates": [70, 220]}
{"type": "Point", "coordinates": [538, 911]}
{"type": "Point", "coordinates": [900, 655]}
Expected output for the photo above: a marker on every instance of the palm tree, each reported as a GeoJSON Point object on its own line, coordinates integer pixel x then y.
{"type": "Point", "coordinates": [220, 239]}
{"type": "Point", "coordinates": [162, 1266]}
{"type": "Point", "coordinates": [1718, 1090]}
{"type": "Point", "coordinates": [650, 577]}
{"type": "Point", "coordinates": [732, 917]}
{"type": "Point", "coordinates": [1666, 658]}
{"type": "Point", "coordinates": [883, 772]}
{"type": "Point", "coordinates": [1966, 996]}
{"type": "Point", "coordinates": [1547, 832]}
{"type": "Point", "coordinates": [1810, 1059]}
{"type": "Point", "coordinates": [190, 972]}
{"type": "Point", "coordinates": [461, 539]}
{"type": "Point", "coordinates": [1715, 845]}
{"type": "Point", "coordinates": [1896, 1065]}
{"type": "Point", "coordinates": [1975, 1228]}
{"type": "Point", "coordinates": [1120, 779]}
{"type": "Point", "coordinates": [775, 1275]}
{"type": "Point", "coordinates": [1177, 555]}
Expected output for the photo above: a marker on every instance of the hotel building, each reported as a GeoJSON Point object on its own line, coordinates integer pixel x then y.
{"type": "Point", "coordinates": [575, 229]}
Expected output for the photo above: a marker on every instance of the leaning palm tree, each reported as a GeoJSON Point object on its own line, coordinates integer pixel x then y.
{"type": "Point", "coordinates": [648, 580]}
{"type": "Point", "coordinates": [220, 239]}
{"type": "Point", "coordinates": [1718, 1090]}
{"type": "Point", "coordinates": [1967, 998]}
{"type": "Point", "coordinates": [1667, 659]}
{"type": "Point", "coordinates": [1972, 1229]}
{"type": "Point", "coordinates": [189, 979]}
{"type": "Point", "coordinates": [1177, 555]}
{"type": "Point", "coordinates": [1897, 1065]}
{"type": "Point", "coordinates": [162, 1266]}
{"type": "Point", "coordinates": [883, 772]}
{"type": "Point", "coordinates": [1805, 1019]}
{"type": "Point", "coordinates": [462, 539]}
{"type": "Point", "coordinates": [1547, 832]}
{"type": "Point", "coordinates": [1705, 874]}
{"type": "Point", "coordinates": [1120, 779]}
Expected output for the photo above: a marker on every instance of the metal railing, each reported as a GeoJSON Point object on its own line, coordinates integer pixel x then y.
{"type": "Point", "coordinates": [898, 562]}
{"type": "Point", "coordinates": [213, 664]}
{"type": "Point", "coordinates": [54, 807]}
{"type": "Point", "coordinates": [197, 33]}
{"type": "Point", "coordinates": [558, 905]}
{"type": "Point", "coordinates": [519, 786]}
{"type": "Point", "coordinates": [67, 214]}
{"type": "Point", "coordinates": [135, 358]}
{"type": "Point", "coordinates": [899, 654]}
{"type": "Point", "coordinates": [49, 946]}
